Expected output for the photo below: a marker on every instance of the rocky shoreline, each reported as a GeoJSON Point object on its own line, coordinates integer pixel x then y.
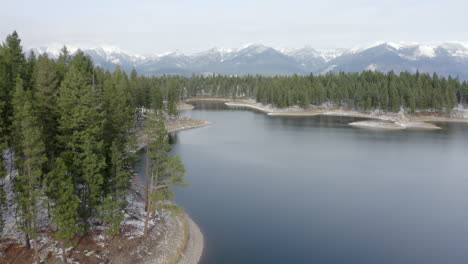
{"type": "Point", "coordinates": [183, 241]}
{"type": "Point", "coordinates": [392, 121]}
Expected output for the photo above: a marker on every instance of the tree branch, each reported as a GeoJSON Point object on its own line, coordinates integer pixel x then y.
{"type": "Point", "coordinates": [163, 186]}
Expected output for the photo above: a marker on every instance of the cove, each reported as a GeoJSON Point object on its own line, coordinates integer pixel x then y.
{"type": "Point", "coordinates": [271, 189]}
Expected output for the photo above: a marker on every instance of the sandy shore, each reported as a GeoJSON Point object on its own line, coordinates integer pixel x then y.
{"type": "Point", "coordinates": [209, 99]}
{"type": "Point", "coordinates": [184, 123]}
{"type": "Point", "coordinates": [184, 106]}
{"type": "Point", "coordinates": [380, 124]}
{"type": "Point", "coordinates": [391, 121]}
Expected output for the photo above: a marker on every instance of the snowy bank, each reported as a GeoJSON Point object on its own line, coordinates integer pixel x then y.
{"type": "Point", "coordinates": [394, 121]}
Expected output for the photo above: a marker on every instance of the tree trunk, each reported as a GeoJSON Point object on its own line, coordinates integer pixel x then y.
{"type": "Point", "coordinates": [148, 210]}
{"type": "Point", "coordinates": [11, 165]}
{"type": "Point", "coordinates": [36, 252]}
{"type": "Point", "coordinates": [146, 178]}
{"type": "Point", "coordinates": [26, 241]}
{"type": "Point", "coordinates": [145, 230]}
{"type": "Point", "coordinates": [64, 254]}
{"type": "Point", "coordinates": [36, 249]}
{"type": "Point", "coordinates": [154, 187]}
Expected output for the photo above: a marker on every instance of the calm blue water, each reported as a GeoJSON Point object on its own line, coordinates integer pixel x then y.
{"type": "Point", "coordinates": [315, 190]}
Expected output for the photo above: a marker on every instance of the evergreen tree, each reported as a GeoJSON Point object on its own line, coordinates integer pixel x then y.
{"type": "Point", "coordinates": [119, 138]}
{"type": "Point", "coordinates": [3, 142]}
{"type": "Point", "coordinates": [63, 62]}
{"type": "Point", "coordinates": [45, 94]}
{"type": "Point", "coordinates": [80, 126]}
{"type": "Point", "coordinates": [30, 161]}
{"type": "Point", "coordinates": [13, 65]}
{"type": "Point", "coordinates": [164, 171]}
{"type": "Point", "coordinates": [65, 205]}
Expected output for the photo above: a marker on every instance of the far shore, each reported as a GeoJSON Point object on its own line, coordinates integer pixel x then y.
{"type": "Point", "coordinates": [392, 121]}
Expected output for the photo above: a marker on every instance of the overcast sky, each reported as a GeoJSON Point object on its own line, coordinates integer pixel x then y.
{"type": "Point", "coordinates": [152, 26]}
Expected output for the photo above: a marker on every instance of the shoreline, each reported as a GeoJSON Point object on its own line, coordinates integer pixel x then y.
{"type": "Point", "coordinates": [182, 242]}
{"type": "Point", "coordinates": [175, 125]}
{"type": "Point", "coordinates": [391, 121]}
{"type": "Point", "coordinates": [193, 250]}
{"type": "Point", "coordinates": [190, 250]}
{"type": "Point", "coordinates": [189, 124]}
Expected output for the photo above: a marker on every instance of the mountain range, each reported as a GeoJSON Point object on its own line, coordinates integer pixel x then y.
{"type": "Point", "coordinates": [448, 58]}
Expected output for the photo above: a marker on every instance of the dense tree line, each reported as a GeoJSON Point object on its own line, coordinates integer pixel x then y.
{"type": "Point", "coordinates": [360, 91]}
{"type": "Point", "coordinates": [71, 126]}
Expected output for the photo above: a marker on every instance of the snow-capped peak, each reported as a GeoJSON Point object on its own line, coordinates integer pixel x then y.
{"type": "Point", "coordinates": [404, 49]}
{"type": "Point", "coordinates": [456, 48]}
{"type": "Point", "coordinates": [395, 46]}
{"type": "Point", "coordinates": [330, 54]}
{"type": "Point", "coordinates": [106, 51]}
{"type": "Point", "coordinates": [173, 53]}
{"type": "Point", "coordinates": [308, 51]}
{"type": "Point", "coordinates": [253, 47]}
{"type": "Point", "coordinates": [214, 51]}
{"type": "Point", "coordinates": [54, 49]}
{"type": "Point", "coordinates": [362, 47]}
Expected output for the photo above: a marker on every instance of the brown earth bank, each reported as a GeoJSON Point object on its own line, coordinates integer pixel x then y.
{"type": "Point", "coordinates": [378, 119]}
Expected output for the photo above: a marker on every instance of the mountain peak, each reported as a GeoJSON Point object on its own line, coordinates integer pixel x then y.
{"type": "Point", "coordinates": [442, 57]}
{"type": "Point", "coordinates": [254, 47]}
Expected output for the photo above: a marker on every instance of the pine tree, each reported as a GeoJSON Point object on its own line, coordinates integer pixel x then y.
{"type": "Point", "coordinates": [45, 94]}
{"type": "Point", "coordinates": [122, 166]}
{"type": "Point", "coordinates": [80, 127]}
{"type": "Point", "coordinates": [13, 66]}
{"type": "Point", "coordinates": [30, 161]}
{"type": "Point", "coordinates": [63, 62]}
{"type": "Point", "coordinates": [119, 138]}
{"type": "Point", "coordinates": [3, 204]}
{"type": "Point", "coordinates": [30, 67]}
{"type": "Point", "coordinates": [394, 97]}
{"type": "Point", "coordinates": [164, 171]}
{"type": "Point", "coordinates": [65, 204]}
{"type": "Point", "coordinates": [3, 140]}
{"type": "Point", "coordinates": [111, 215]}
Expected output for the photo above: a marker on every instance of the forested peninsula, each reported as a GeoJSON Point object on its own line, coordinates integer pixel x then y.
{"type": "Point", "coordinates": [69, 134]}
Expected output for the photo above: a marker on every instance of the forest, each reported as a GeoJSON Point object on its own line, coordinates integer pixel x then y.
{"type": "Point", "coordinates": [364, 91]}
{"type": "Point", "coordinates": [68, 133]}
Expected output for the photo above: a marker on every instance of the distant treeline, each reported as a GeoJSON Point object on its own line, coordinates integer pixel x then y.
{"type": "Point", "coordinates": [360, 91]}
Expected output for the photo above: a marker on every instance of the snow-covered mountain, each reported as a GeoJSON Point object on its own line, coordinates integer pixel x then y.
{"type": "Point", "coordinates": [449, 58]}
{"type": "Point", "coordinates": [443, 58]}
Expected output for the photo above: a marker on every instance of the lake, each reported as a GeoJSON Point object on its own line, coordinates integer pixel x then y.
{"type": "Point", "coordinates": [268, 189]}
